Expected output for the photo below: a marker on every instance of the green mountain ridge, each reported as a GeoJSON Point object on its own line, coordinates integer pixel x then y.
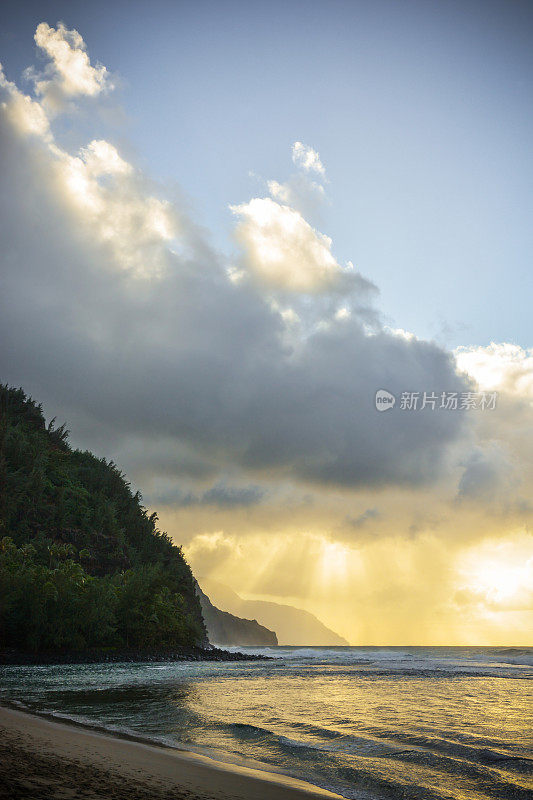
{"type": "Point", "coordinates": [82, 563]}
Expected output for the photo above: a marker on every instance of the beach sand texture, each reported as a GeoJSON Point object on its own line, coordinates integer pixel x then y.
{"type": "Point", "coordinates": [42, 759]}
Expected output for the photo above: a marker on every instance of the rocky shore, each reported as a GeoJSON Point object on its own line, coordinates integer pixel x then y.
{"type": "Point", "coordinates": [22, 658]}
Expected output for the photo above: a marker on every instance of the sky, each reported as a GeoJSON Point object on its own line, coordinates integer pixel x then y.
{"type": "Point", "coordinates": [225, 226]}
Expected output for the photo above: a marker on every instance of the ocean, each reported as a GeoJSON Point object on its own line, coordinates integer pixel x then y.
{"type": "Point", "coordinates": [366, 722]}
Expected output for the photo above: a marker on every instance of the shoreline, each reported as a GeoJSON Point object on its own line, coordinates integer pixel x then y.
{"type": "Point", "coordinates": [18, 658]}
{"type": "Point", "coordinates": [43, 757]}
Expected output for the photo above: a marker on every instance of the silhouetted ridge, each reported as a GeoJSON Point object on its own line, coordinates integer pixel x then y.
{"type": "Point", "coordinates": [226, 629]}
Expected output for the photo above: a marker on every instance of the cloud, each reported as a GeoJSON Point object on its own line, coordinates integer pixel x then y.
{"type": "Point", "coordinates": [134, 226]}
{"type": "Point", "coordinates": [243, 390]}
{"type": "Point", "coordinates": [488, 476]}
{"type": "Point", "coordinates": [26, 115]}
{"type": "Point", "coordinates": [283, 250]}
{"type": "Point", "coordinates": [500, 467]}
{"type": "Point", "coordinates": [104, 197]}
{"type": "Point", "coordinates": [307, 159]}
{"type": "Point", "coordinates": [223, 496]}
{"type": "Point", "coordinates": [303, 194]}
{"type": "Point", "coordinates": [117, 312]}
{"type": "Point", "coordinates": [211, 550]}
{"type": "Point", "coordinates": [69, 72]}
{"type": "Point", "coordinates": [101, 158]}
{"type": "Point", "coordinates": [497, 576]}
{"type": "Point", "coordinates": [362, 519]}
{"type": "Point", "coordinates": [504, 367]}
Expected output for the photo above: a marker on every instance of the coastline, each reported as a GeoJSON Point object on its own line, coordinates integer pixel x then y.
{"type": "Point", "coordinates": [44, 758]}
{"type": "Point", "coordinates": [13, 657]}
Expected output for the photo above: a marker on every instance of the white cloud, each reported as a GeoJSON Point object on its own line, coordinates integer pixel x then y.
{"type": "Point", "coordinates": [25, 114]}
{"type": "Point", "coordinates": [280, 192]}
{"type": "Point", "coordinates": [282, 249]}
{"type": "Point", "coordinates": [132, 225]}
{"type": "Point", "coordinates": [300, 192]}
{"type": "Point", "coordinates": [69, 73]}
{"type": "Point", "coordinates": [102, 158]}
{"type": "Point", "coordinates": [503, 367]}
{"type": "Point", "coordinates": [343, 313]}
{"type": "Point", "coordinates": [307, 159]}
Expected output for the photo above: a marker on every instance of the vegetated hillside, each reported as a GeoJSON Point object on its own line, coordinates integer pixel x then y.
{"type": "Point", "coordinates": [293, 626]}
{"type": "Point", "coordinates": [82, 564]}
{"type": "Point", "coordinates": [226, 629]}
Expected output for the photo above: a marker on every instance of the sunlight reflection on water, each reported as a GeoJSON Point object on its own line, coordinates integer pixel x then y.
{"type": "Point", "coordinates": [365, 722]}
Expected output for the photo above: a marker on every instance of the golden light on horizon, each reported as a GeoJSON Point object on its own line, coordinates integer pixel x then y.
{"type": "Point", "coordinates": [498, 582]}
{"type": "Point", "coordinates": [499, 575]}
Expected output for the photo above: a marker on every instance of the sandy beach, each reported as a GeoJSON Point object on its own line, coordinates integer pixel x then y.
{"type": "Point", "coordinates": [41, 759]}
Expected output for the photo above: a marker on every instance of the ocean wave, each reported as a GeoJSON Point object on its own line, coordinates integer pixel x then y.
{"type": "Point", "coordinates": [364, 722]}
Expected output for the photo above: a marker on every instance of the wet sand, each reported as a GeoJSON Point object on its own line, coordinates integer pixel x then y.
{"type": "Point", "coordinates": [42, 759]}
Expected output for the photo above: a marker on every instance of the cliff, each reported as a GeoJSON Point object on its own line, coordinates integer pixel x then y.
{"type": "Point", "coordinates": [293, 626]}
{"type": "Point", "coordinates": [226, 629]}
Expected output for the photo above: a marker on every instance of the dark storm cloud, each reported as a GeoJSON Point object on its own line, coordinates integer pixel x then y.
{"type": "Point", "coordinates": [193, 361]}
{"type": "Point", "coordinates": [362, 519]}
{"type": "Point", "coordinates": [223, 496]}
